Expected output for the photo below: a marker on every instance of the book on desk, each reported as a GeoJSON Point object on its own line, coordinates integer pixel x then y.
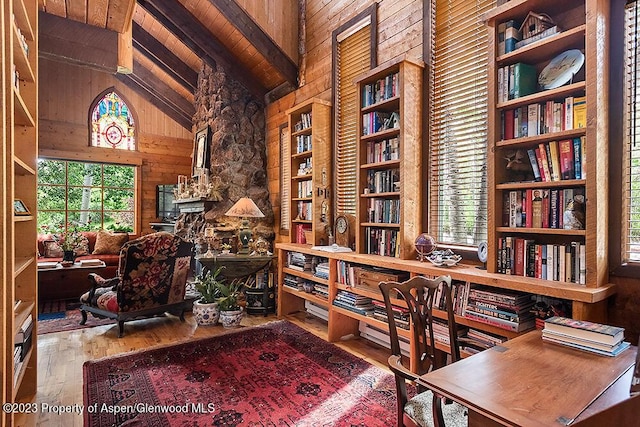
{"type": "Point", "coordinates": [594, 337]}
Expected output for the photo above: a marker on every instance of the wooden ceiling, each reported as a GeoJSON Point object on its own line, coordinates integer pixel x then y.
{"type": "Point", "coordinates": [168, 40]}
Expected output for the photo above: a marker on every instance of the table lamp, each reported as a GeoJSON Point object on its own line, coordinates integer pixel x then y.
{"type": "Point", "coordinates": [245, 208]}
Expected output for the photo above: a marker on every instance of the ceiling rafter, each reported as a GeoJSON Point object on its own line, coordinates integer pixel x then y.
{"type": "Point", "coordinates": [178, 20]}
{"type": "Point", "coordinates": [164, 58]}
{"type": "Point", "coordinates": [241, 20]}
{"type": "Point", "coordinates": [160, 94]}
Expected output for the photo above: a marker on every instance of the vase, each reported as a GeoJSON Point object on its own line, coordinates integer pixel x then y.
{"type": "Point", "coordinates": [231, 319]}
{"type": "Point", "coordinates": [206, 313]}
{"type": "Point", "coordinates": [68, 258]}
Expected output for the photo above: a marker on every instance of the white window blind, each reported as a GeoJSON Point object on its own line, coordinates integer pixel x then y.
{"type": "Point", "coordinates": [631, 154]}
{"type": "Point", "coordinates": [458, 122]}
{"type": "Point", "coordinates": [353, 58]}
{"type": "Point", "coordinates": [285, 178]}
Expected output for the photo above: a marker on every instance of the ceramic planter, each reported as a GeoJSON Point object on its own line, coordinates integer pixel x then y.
{"type": "Point", "coordinates": [206, 314]}
{"type": "Point", "coordinates": [231, 319]}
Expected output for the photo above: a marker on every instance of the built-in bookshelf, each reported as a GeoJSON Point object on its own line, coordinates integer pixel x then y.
{"type": "Point", "coordinates": [548, 161]}
{"type": "Point", "coordinates": [19, 168]}
{"type": "Point", "coordinates": [347, 291]}
{"type": "Point", "coordinates": [389, 150]}
{"type": "Point", "coordinates": [310, 130]}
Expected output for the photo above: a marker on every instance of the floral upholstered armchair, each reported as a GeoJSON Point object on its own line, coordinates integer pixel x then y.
{"type": "Point", "coordinates": [151, 280]}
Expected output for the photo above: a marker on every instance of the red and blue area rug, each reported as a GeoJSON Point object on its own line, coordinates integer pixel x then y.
{"type": "Point", "coordinates": [64, 315]}
{"type": "Point", "coordinates": [275, 374]}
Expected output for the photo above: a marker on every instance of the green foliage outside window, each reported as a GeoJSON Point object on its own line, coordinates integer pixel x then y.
{"type": "Point", "coordinates": [91, 196]}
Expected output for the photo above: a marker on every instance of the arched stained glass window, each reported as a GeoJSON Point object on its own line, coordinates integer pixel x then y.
{"type": "Point", "coordinates": [112, 124]}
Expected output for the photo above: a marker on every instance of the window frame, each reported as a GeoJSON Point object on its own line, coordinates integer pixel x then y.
{"type": "Point", "coordinates": [370, 13]}
{"type": "Point", "coordinates": [136, 189]}
{"type": "Point", "coordinates": [616, 142]}
{"type": "Point", "coordinates": [467, 251]}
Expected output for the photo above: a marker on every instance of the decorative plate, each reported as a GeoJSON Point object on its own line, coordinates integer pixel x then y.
{"type": "Point", "coordinates": [561, 69]}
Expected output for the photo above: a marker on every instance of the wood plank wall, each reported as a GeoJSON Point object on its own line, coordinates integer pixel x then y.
{"type": "Point", "coordinates": [164, 147]}
{"type": "Point", "coordinates": [400, 34]}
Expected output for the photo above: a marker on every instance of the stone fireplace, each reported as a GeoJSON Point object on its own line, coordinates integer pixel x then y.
{"type": "Point", "coordinates": [237, 155]}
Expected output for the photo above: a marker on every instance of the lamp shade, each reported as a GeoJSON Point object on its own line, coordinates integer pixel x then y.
{"type": "Point", "coordinates": [245, 208]}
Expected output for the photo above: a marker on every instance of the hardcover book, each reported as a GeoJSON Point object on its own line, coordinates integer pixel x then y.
{"type": "Point", "coordinates": [605, 334]}
{"type": "Point", "coordinates": [525, 79]}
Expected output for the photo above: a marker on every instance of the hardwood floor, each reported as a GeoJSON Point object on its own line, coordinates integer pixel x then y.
{"type": "Point", "coordinates": [61, 355]}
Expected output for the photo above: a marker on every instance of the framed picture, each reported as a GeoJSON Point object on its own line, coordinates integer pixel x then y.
{"type": "Point", "coordinates": [201, 148]}
{"type": "Point", "coordinates": [19, 208]}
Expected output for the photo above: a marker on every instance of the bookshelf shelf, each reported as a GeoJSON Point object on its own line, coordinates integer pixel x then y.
{"type": "Point", "coordinates": [389, 156]}
{"type": "Point", "coordinates": [583, 25]}
{"type": "Point", "coordinates": [20, 151]}
{"type": "Point", "coordinates": [311, 170]}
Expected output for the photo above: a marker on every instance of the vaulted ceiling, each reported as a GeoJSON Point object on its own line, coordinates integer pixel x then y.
{"type": "Point", "coordinates": [157, 47]}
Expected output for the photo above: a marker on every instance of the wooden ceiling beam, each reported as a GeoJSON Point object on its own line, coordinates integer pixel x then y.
{"type": "Point", "coordinates": [159, 102]}
{"type": "Point", "coordinates": [163, 90]}
{"type": "Point", "coordinates": [263, 43]}
{"type": "Point", "coordinates": [164, 58]}
{"type": "Point", "coordinates": [178, 20]}
{"type": "Point", "coordinates": [73, 42]}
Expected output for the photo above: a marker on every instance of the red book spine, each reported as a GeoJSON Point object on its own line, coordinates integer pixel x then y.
{"type": "Point", "coordinates": [508, 124]}
{"type": "Point", "coordinates": [529, 208]}
{"type": "Point", "coordinates": [566, 159]}
{"type": "Point", "coordinates": [519, 267]}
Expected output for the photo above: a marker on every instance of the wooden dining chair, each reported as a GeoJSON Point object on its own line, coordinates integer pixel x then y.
{"type": "Point", "coordinates": [425, 408]}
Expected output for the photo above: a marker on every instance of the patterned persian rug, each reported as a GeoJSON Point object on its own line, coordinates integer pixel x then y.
{"type": "Point", "coordinates": [276, 374]}
{"type": "Point", "coordinates": [64, 315]}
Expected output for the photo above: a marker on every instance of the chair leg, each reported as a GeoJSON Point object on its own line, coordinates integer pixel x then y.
{"type": "Point", "coordinates": [438, 418]}
{"type": "Point", "coordinates": [120, 328]}
{"type": "Point", "coordinates": [84, 317]}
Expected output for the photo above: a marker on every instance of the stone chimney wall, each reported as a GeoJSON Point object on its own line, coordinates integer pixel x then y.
{"type": "Point", "coordinates": [238, 153]}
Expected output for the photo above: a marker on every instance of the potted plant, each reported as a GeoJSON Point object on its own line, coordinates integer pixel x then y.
{"type": "Point", "coordinates": [230, 305]}
{"type": "Point", "coordinates": [226, 248]}
{"type": "Point", "coordinates": [68, 240]}
{"type": "Point", "coordinates": [205, 309]}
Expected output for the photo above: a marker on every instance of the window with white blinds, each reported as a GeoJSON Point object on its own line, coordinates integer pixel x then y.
{"type": "Point", "coordinates": [353, 57]}
{"type": "Point", "coordinates": [458, 122]}
{"type": "Point", "coordinates": [285, 177]}
{"type": "Point", "coordinates": [631, 152]}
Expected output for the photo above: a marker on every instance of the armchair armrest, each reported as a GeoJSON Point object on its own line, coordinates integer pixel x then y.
{"type": "Point", "coordinates": [98, 281]}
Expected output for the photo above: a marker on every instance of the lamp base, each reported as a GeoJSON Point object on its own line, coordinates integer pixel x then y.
{"type": "Point", "coordinates": [244, 235]}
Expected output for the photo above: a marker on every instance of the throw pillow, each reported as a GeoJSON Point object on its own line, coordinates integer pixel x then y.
{"type": "Point", "coordinates": [83, 246]}
{"type": "Point", "coordinates": [109, 243]}
{"type": "Point", "coordinates": [52, 249]}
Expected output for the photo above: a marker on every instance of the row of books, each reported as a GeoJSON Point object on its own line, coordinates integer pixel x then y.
{"type": "Point", "coordinates": [305, 188]}
{"type": "Point", "coordinates": [383, 181]}
{"type": "Point", "coordinates": [377, 121]}
{"type": "Point", "coordinates": [556, 208]}
{"type": "Point", "coordinates": [505, 309]}
{"type": "Point", "coordinates": [459, 295]}
{"type": "Point", "coordinates": [516, 80]}
{"type": "Point", "coordinates": [558, 160]}
{"type": "Point", "coordinates": [542, 118]}
{"type": "Point", "coordinates": [22, 345]}
{"type": "Point", "coordinates": [383, 151]}
{"type": "Point", "coordinates": [303, 143]}
{"type": "Point", "coordinates": [384, 211]}
{"type": "Point", "coordinates": [322, 270]}
{"type": "Point", "coordinates": [557, 262]}
{"type": "Point", "coordinates": [303, 123]}
{"type": "Point", "coordinates": [305, 210]}
{"type": "Point", "coordinates": [381, 90]}
{"type": "Point", "coordinates": [588, 336]}
{"type": "Point", "coordinates": [300, 230]}
{"type": "Point", "coordinates": [381, 241]}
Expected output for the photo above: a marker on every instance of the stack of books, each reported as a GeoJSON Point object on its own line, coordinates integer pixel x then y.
{"type": "Point", "coordinates": [588, 336]}
{"type": "Point", "coordinates": [354, 302]}
{"type": "Point", "coordinates": [401, 314]}
{"type": "Point", "coordinates": [91, 262]}
{"type": "Point", "coordinates": [509, 310]}
{"type": "Point", "coordinates": [299, 261]}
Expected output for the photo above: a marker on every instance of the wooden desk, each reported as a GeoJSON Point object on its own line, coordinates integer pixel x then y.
{"type": "Point", "coordinates": [528, 382]}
